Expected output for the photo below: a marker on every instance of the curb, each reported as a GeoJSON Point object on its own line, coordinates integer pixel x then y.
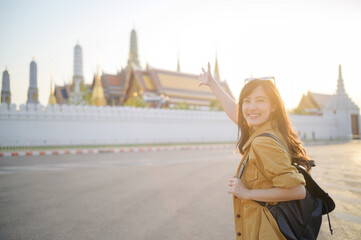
{"type": "Point", "coordinates": [114, 150]}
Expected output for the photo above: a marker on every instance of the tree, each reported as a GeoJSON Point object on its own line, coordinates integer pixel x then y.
{"type": "Point", "coordinates": [182, 105]}
{"type": "Point", "coordinates": [214, 105]}
{"type": "Point", "coordinates": [137, 101]}
{"type": "Point", "coordinates": [86, 94]}
{"type": "Point", "coordinates": [299, 111]}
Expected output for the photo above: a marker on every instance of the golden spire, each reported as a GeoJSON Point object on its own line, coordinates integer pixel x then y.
{"type": "Point", "coordinates": [216, 71]}
{"type": "Point", "coordinates": [52, 98]}
{"type": "Point", "coordinates": [178, 64]}
{"type": "Point", "coordinates": [98, 93]}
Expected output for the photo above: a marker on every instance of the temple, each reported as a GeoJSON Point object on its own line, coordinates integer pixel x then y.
{"type": "Point", "coordinates": [158, 87]}
{"type": "Point", "coordinates": [337, 106]}
{"type": "Point", "coordinates": [154, 86]}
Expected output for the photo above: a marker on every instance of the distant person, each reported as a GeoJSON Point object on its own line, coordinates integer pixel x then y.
{"type": "Point", "coordinates": [268, 175]}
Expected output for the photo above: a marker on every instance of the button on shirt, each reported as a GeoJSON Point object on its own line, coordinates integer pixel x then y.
{"type": "Point", "coordinates": [269, 166]}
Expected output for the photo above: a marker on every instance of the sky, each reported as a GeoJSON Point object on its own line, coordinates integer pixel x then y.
{"type": "Point", "coordinates": [300, 43]}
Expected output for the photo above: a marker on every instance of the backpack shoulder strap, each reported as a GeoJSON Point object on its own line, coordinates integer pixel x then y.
{"type": "Point", "coordinates": [274, 137]}
{"type": "Point", "coordinates": [246, 160]}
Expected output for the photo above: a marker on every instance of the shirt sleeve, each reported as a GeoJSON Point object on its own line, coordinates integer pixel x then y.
{"type": "Point", "coordinates": [274, 163]}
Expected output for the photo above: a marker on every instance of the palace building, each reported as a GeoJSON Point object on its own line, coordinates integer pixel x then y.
{"type": "Point", "coordinates": [156, 87]}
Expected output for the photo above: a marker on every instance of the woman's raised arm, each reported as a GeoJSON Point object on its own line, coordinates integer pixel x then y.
{"type": "Point", "coordinates": [228, 104]}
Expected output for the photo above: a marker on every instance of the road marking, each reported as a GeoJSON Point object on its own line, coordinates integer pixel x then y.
{"type": "Point", "coordinates": [115, 150]}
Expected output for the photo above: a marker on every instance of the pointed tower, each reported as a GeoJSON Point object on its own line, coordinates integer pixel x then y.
{"type": "Point", "coordinates": [33, 95]}
{"type": "Point", "coordinates": [78, 79]}
{"type": "Point", "coordinates": [340, 85]}
{"type": "Point", "coordinates": [344, 110]}
{"type": "Point", "coordinates": [52, 98]}
{"type": "Point", "coordinates": [98, 93]}
{"type": "Point", "coordinates": [223, 83]}
{"type": "Point", "coordinates": [216, 70]}
{"type": "Point", "coordinates": [76, 94]}
{"type": "Point", "coordinates": [340, 100]}
{"type": "Point", "coordinates": [178, 64]}
{"type": "Point", "coordinates": [5, 89]}
{"type": "Point", "coordinates": [133, 51]}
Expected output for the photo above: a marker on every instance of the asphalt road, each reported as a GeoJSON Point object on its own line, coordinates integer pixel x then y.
{"type": "Point", "coordinates": [152, 195]}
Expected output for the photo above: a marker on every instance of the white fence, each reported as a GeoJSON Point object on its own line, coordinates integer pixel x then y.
{"type": "Point", "coordinates": [34, 125]}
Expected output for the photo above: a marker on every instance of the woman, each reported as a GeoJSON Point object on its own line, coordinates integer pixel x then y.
{"type": "Point", "coordinates": [268, 176]}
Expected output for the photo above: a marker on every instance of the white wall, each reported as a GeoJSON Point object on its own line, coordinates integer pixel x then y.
{"type": "Point", "coordinates": [78, 125]}
{"type": "Point", "coordinates": [315, 127]}
{"type": "Point", "coordinates": [85, 125]}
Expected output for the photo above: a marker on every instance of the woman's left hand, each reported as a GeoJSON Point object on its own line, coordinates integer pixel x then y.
{"type": "Point", "coordinates": [237, 188]}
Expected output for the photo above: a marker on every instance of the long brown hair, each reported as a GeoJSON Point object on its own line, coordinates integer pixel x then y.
{"type": "Point", "coordinates": [279, 118]}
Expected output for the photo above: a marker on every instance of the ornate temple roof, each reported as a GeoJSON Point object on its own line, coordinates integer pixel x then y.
{"type": "Point", "coordinates": [62, 93]}
{"type": "Point", "coordinates": [180, 87]}
{"type": "Point", "coordinates": [321, 99]}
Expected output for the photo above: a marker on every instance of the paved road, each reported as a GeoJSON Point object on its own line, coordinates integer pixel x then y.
{"type": "Point", "coordinates": [157, 195]}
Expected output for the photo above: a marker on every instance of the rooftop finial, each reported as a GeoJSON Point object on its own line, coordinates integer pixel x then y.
{"type": "Point", "coordinates": [340, 85]}
{"type": "Point", "coordinates": [216, 70]}
{"type": "Point", "coordinates": [178, 63]}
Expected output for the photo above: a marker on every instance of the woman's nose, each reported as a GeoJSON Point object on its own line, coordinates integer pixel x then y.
{"type": "Point", "coordinates": [252, 105]}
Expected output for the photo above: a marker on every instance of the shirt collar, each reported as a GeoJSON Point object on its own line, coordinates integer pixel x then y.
{"type": "Point", "coordinates": [264, 128]}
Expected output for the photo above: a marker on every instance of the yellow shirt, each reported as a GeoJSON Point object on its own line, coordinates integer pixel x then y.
{"type": "Point", "coordinates": [269, 166]}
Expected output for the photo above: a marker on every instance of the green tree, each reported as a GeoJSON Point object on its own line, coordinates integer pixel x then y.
{"type": "Point", "coordinates": [137, 101]}
{"type": "Point", "coordinates": [299, 111]}
{"type": "Point", "coordinates": [182, 105]}
{"type": "Point", "coordinates": [87, 95]}
{"type": "Point", "coordinates": [214, 105]}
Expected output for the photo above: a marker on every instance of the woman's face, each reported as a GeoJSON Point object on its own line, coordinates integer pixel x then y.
{"type": "Point", "coordinates": [256, 108]}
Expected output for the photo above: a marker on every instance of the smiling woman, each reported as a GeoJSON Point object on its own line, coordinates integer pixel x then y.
{"type": "Point", "coordinates": [269, 175]}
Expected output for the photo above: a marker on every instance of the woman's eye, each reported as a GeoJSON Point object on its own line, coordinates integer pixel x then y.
{"type": "Point", "coordinates": [260, 100]}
